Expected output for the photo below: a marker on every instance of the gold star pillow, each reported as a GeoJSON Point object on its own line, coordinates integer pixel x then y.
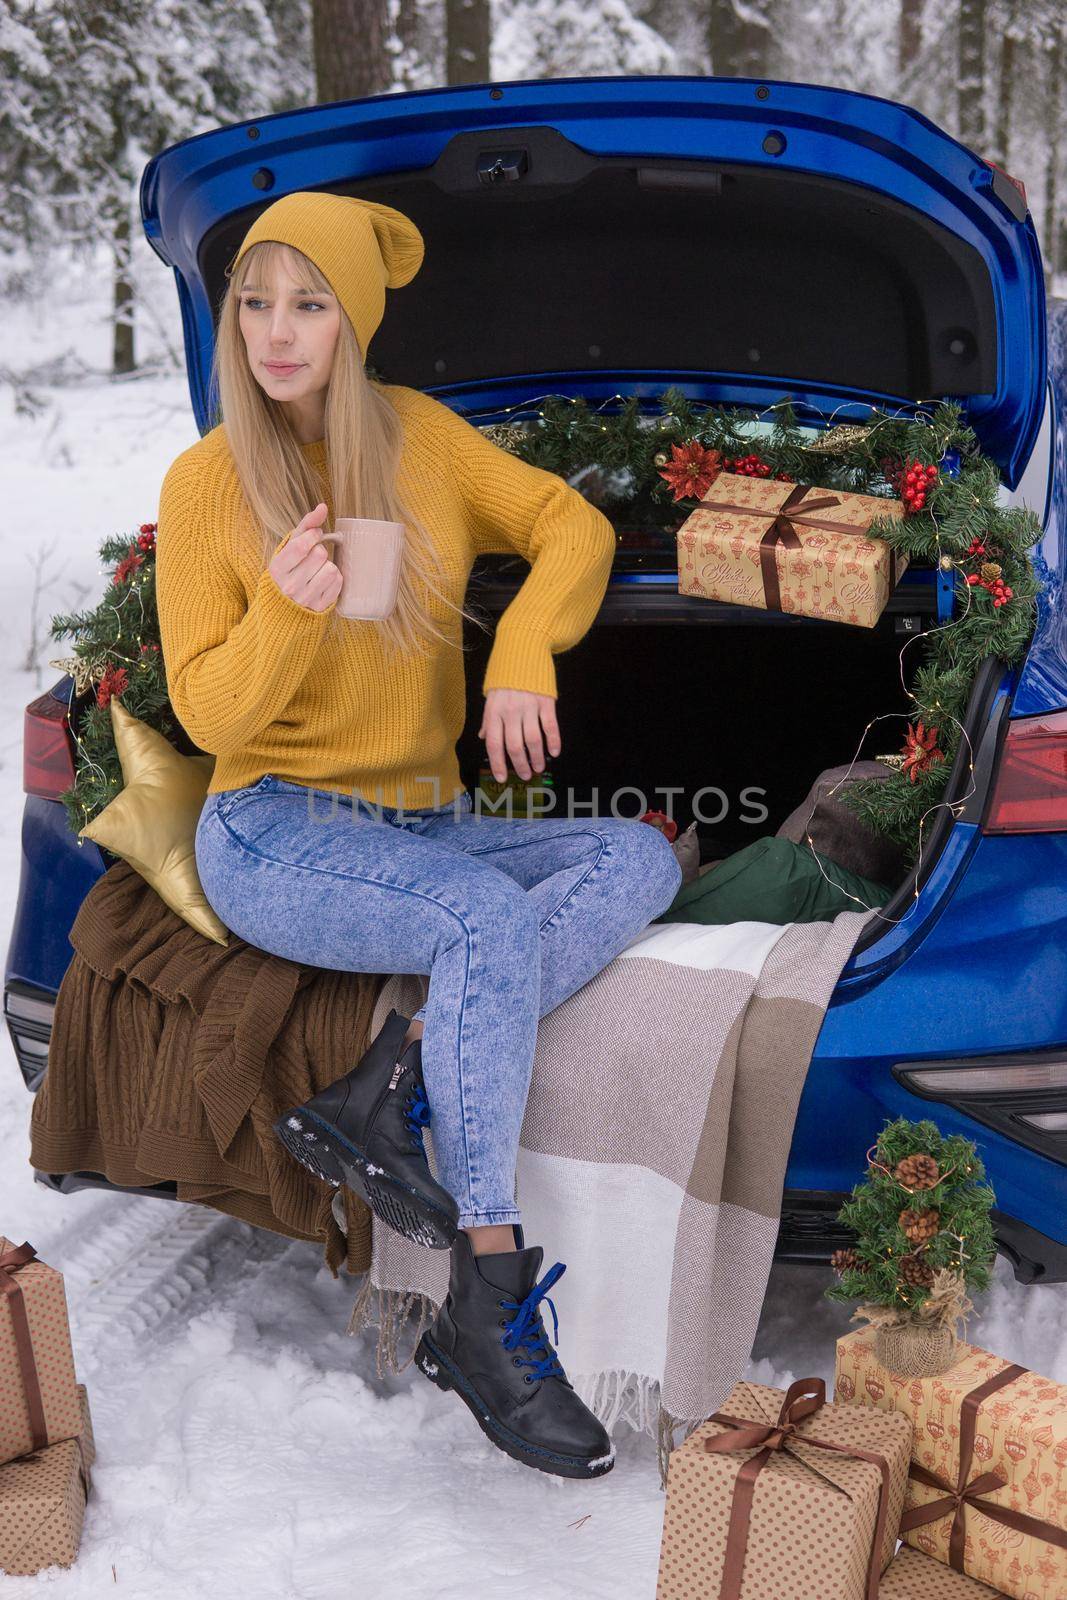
{"type": "Point", "coordinates": [151, 823]}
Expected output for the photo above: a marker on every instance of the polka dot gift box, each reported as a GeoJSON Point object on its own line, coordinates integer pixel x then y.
{"type": "Point", "coordinates": [784, 1497]}
{"type": "Point", "coordinates": [42, 1501]}
{"type": "Point", "coordinates": [39, 1402]}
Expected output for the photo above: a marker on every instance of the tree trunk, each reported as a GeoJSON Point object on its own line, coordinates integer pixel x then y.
{"type": "Point", "coordinates": [122, 352]}
{"type": "Point", "coordinates": [407, 29]}
{"type": "Point", "coordinates": [909, 34]}
{"type": "Point", "coordinates": [739, 46]}
{"type": "Point", "coordinates": [1050, 230]}
{"type": "Point", "coordinates": [466, 41]}
{"type": "Point", "coordinates": [971, 92]}
{"type": "Point", "coordinates": [1002, 136]}
{"type": "Point", "coordinates": [348, 40]}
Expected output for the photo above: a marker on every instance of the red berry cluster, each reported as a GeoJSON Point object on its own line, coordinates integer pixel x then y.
{"type": "Point", "coordinates": [1001, 591]}
{"type": "Point", "coordinates": [146, 538]}
{"type": "Point", "coordinates": [751, 466]}
{"type": "Point", "coordinates": [913, 481]}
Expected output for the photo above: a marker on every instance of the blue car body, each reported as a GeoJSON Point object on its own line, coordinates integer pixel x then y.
{"type": "Point", "coordinates": [920, 267]}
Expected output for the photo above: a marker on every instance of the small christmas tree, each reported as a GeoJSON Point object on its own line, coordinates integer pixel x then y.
{"type": "Point", "coordinates": [923, 1238]}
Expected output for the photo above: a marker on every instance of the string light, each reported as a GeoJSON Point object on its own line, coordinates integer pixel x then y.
{"type": "Point", "coordinates": [955, 806]}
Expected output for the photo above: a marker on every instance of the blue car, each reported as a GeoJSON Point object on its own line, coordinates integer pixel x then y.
{"type": "Point", "coordinates": [746, 241]}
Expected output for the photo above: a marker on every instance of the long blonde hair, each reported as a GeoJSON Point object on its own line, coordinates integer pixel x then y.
{"type": "Point", "coordinates": [364, 443]}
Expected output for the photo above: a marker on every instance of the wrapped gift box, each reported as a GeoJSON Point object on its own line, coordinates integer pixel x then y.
{"type": "Point", "coordinates": [913, 1576]}
{"type": "Point", "coordinates": [1009, 1527]}
{"type": "Point", "coordinates": [780, 1495]}
{"type": "Point", "coordinates": [788, 547]}
{"type": "Point", "coordinates": [38, 1390]}
{"type": "Point", "coordinates": [42, 1501]}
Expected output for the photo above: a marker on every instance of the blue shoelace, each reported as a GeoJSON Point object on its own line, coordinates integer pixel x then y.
{"type": "Point", "coordinates": [417, 1116]}
{"type": "Point", "coordinates": [525, 1319]}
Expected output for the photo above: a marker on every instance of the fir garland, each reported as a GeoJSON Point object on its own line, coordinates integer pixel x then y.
{"type": "Point", "coordinates": [923, 1208]}
{"type": "Point", "coordinates": [621, 461]}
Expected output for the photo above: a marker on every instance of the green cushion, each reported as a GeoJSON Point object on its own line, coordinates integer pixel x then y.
{"type": "Point", "coordinates": [773, 880]}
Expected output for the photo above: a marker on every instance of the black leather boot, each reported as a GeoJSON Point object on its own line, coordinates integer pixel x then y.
{"type": "Point", "coordinates": [365, 1130]}
{"type": "Point", "coordinates": [488, 1343]}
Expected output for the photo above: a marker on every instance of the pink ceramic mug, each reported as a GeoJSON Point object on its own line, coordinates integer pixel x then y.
{"type": "Point", "coordinates": [368, 553]}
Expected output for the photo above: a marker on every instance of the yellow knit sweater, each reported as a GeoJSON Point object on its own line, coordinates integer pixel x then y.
{"type": "Point", "coordinates": [252, 679]}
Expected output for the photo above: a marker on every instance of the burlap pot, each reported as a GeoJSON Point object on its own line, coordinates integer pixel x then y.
{"type": "Point", "coordinates": [915, 1349]}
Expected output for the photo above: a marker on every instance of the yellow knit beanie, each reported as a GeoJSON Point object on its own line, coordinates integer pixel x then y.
{"type": "Point", "coordinates": [361, 246]}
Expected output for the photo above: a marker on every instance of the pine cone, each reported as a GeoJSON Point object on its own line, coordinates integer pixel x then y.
{"type": "Point", "coordinates": [917, 1172]}
{"type": "Point", "coordinates": [920, 1225]}
{"type": "Point", "coordinates": [990, 570]}
{"type": "Point", "coordinates": [915, 1272]}
{"type": "Point", "coordinates": [844, 1261]}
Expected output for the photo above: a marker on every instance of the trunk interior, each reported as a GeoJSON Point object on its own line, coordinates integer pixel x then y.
{"type": "Point", "coordinates": [765, 706]}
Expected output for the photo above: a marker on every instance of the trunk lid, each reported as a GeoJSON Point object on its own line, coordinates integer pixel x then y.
{"type": "Point", "coordinates": [610, 236]}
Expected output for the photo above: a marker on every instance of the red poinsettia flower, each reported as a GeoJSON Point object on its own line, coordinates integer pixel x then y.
{"type": "Point", "coordinates": [692, 471]}
{"type": "Point", "coordinates": [920, 750]}
{"type": "Point", "coordinates": [129, 564]}
{"type": "Point", "coordinates": [112, 683]}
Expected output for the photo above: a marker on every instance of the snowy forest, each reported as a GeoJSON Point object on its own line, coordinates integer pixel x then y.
{"type": "Point", "coordinates": [90, 91]}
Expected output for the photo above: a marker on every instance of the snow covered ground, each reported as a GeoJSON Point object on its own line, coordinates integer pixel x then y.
{"type": "Point", "coordinates": [244, 1440]}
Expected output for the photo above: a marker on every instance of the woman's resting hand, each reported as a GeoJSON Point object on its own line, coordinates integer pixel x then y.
{"type": "Point", "coordinates": [513, 720]}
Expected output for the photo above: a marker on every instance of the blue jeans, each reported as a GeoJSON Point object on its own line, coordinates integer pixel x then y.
{"type": "Point", "coordinates": [507, 917]}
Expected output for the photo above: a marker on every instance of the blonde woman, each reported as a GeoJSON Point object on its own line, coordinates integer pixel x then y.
{"type": "Point", "coordinates": [336, 830]}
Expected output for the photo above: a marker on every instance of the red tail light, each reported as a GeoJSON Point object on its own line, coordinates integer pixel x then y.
{"type": "Point", "coordinates": [1030, 792]}
{"type": "Point", "coordinates": [47, 754]}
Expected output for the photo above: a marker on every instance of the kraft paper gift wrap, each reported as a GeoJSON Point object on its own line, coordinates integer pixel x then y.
{"type": "Point", "coordinates": [38, 1389]}
{"type": "Point", "coordinates": [770, 1512]}
{"type": "Point", "coordinates": [789, 547]}
{"type": "Point", "coordinates": [42, 1501]}
{"type": "Point", "coordinates": [913, 1576]}
{"type": "Point", "coordinates": [1008, 1527]}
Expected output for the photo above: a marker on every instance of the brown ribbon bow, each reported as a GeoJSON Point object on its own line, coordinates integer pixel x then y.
{"type": "Point", "coordinates": [10, 1261]}
{"type": "Point", "coordinates": [956, 1500]}
{"type": "Point", "coordinates": [802, 1399]}
{"type": "Point", "coordinates": [782, 530]}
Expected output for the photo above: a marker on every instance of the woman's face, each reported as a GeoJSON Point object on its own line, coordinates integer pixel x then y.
{"type": "Point", "coordinates": [290, 334]}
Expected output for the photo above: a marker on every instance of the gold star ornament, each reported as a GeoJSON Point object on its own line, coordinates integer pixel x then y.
{"type": "Point", "coordinates": [86, 673]}
{"type": "Point", "coordinates": [151, 823]}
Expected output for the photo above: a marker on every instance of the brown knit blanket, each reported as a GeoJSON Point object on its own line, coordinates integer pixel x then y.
{"type": "Point", "coordinates": [171, 1056]}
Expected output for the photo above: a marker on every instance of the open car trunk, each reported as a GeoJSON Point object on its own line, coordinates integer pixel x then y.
{"type": "Point", "coordinates": [670, 691]}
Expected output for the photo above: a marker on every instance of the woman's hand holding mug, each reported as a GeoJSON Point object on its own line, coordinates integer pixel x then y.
{"type": "Point", "coordinates": [302, 568]}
